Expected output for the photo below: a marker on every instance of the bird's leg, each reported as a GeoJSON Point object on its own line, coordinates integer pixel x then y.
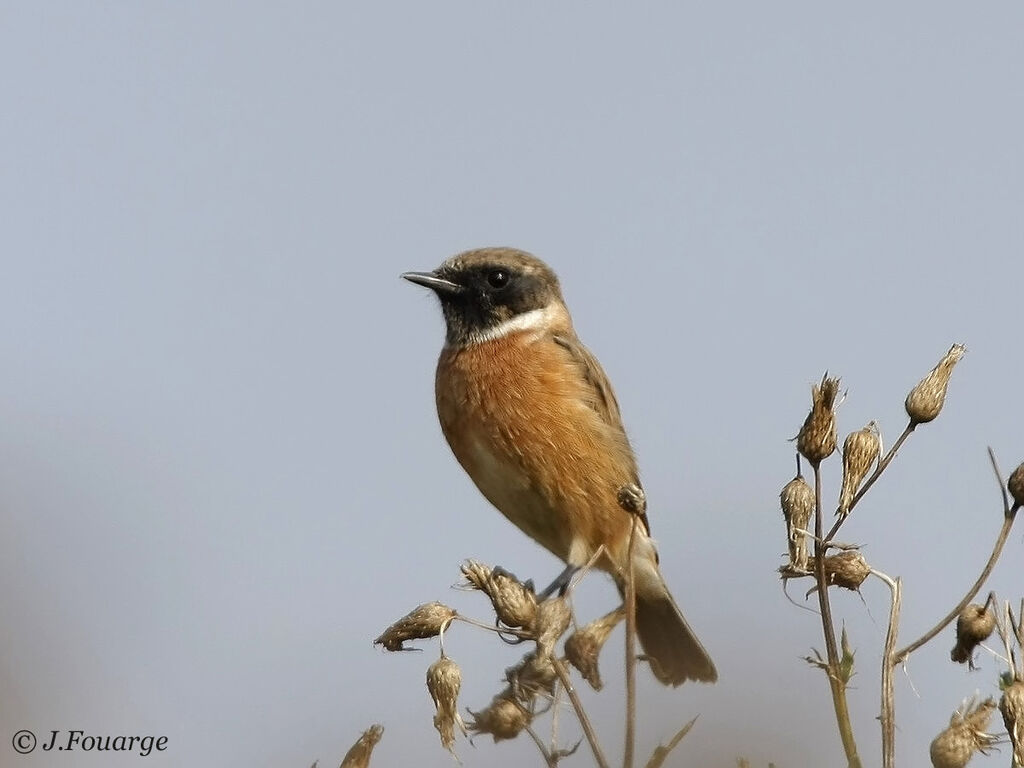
{"type": "Point", "coordinates": [560, 584]}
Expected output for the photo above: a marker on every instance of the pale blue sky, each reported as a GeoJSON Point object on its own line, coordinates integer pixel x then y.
{"type": "Point", "coordinates": [221, 474]}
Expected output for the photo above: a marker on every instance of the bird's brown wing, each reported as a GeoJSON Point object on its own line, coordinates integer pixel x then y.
{"type": "Point", "coordinates": [602, 398]}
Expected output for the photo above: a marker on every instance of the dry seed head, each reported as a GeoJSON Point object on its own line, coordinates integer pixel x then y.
{"type": "Point", "coordinates": [514, 604]}
{"type": "Point", "coordinates": [925, 400]}
{"type": "Point", "coordinates": [583, 647]}
{"type": "Point", "coordinates": [967, 733]}
{"type": "Point", "coordinates": [847, 569]}
{"type": "Point", "coordinates": [797, 500]}
{"type": "Point", "coordinates": [427, 620]}
{"type": "Point", "coordinates": [860, 450]}
{"type": "Point", "coordinates": [974, 625]}
{"type": "Point", "coordinates": [359, 754]}
{"type": "Point", "coordinates": [505, 718]}
{"type": "Point", "coordinates": [553, 617]}
{"type": "Point", "coordinates": [1011, 705]}
{"type": "Point", "coordinates": [816, 440]}
{"type": "Point", "coordinates": [444, 678]}
{"type": "Point", "coordinates": [533, 676]}
{"type": "Point", "coordinates": [1015, 485]}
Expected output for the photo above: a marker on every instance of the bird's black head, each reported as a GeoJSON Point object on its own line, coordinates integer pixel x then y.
{"type": "Point", "coordinates": [485, 292]}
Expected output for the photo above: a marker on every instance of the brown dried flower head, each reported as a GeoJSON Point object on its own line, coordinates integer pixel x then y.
{"type": "Point", "coordinates": [860, 450]}
{"type": "Point", "coordinates": [967, 733]}
{"type": "Point", "coordinates": [974, 625]}
{"type": "Point", "coordinates": [427, 620]}
{"type": "Point", "coordinates": [583, 647]}
{"type": "Point", "coordinates": [359, 754]}
{"type": "Point", "coordinates": [816, 440]}
{"type": "Point", "coordinates": [533, 676]}
{"type": "Point", "coordinates": [926, 399]}
{"type": "Point", "coordinates": [846, 569]}
{"type": "Point", "coordinates": [444, 678]}
{"type": "Point", "coordinates": [514, 604]}
{"type": "Point", "coordinates": [797, 500]}
{"type": "Point", "coordinates": [505, 718]}
{"type": "Point", "coordinates": [553, 618]}
{"type": "Point", "coordinates": [1015, 485]}
{"type": "Point", "coordinates": [1011, 705]}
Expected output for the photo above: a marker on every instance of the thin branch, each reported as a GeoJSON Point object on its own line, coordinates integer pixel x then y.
{"type": "Point", "coordinates": [871, 480]}
{"type": "Point", "coordinates": [888, 716]}
{"type": "Point", "coordinates": [549, 759]}
{"type": "Point", "coordinates": [837, 686]}
{"type": "Point", "coordinates": [630, 604]}
{"type": "Point", "coordinates": [581, 714]}
{"type": "Point", "coordinates": [1009, 515]}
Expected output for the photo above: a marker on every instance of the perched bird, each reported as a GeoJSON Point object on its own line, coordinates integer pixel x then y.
{"type": "Point", "coordinates": [531, 417]}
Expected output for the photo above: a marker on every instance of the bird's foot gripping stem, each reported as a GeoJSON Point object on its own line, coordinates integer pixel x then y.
{"type": "Point", "coordinates": [560, 584]}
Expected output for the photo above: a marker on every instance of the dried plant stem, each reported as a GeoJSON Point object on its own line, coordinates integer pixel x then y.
{"type": "Point", "coordinates": [949, 618]}
{"type": "Point", "coordinates": [888, 716]}
{"type": "Point", "coordinates": [581, 714]}
{"type": "Point", "coordinates": [871, 480]}
{"type": "Point", "coordinates": [837, 686]}
{"type": "Point", "coordinates": [630, 602]}
{"type": "Point", "coordinates": [549, 759]}
{"type": "Point", "coordinates": [1009, 515]}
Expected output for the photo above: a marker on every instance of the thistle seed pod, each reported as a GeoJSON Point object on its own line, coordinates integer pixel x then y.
{"type": "Point", "coordinates": [797, 500]}
{"type": "Point", "coordinates": [973, 626]}
{"type": "Point", "coordinates": [1015, 485]}
{"type": "Point", "coordinates": [925, 400]}
{"type": "Point", "coordinates": [847, 569]}
{"type": "Point", "coordinates": [533, 676]}
{"type": "Point", "coordinates": [504, 719]}
{"type": "Point", "coordinates": [816, 440]}
{"type": "Point", "coordinates": [514, 604]}
{"type": "Point", "coordinates": [444, 678]}
{"type": "Point", "coordinates": [427, 620]}
{"type": "Point", "coordinates": [553, 617]}
{"type": "Point", "coordinates": [359, 754]}
{"type": "Point", "coordinates": [1012, 707]}
{"type": "Point", "coordinates": [631, 498]}
{"type": "Point", "coordinates": [860, 450]}
{"type": "Point", "coordinates": [583, 647]}
{"type": "Point", "coordinates": [966, 734]}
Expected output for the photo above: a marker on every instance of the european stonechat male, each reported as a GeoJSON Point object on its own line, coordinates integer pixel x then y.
{"type": "Point", "coordinates": [531, 417]}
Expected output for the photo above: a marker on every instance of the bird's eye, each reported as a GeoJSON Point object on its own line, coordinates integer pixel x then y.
{"type": "Point", "coordinates": [497, 279]}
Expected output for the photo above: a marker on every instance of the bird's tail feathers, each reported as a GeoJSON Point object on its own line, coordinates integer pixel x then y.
{"type": "Point", "coordinates": [673, 650]}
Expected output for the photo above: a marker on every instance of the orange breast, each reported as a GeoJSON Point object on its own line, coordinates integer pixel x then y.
{"type": "Point", "coordinates": [515, 412]}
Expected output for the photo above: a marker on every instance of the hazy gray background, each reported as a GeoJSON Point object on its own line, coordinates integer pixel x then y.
{"type": "Point", "coordinates": [221, 473]}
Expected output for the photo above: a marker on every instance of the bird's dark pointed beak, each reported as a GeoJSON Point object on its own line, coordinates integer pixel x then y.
{"type": "Point", "coordinates": [437, 284]}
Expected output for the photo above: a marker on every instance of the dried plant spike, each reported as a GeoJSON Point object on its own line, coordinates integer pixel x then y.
{"type": "Point", "coordinates": [444, 678]}
{"type": "Point", "coordinates": [533, 676]}
{"type": "Point", "coordinates": [797, 499]}
{"type": "Point", "coordinates": [1015, 485]}
{"type": "Point", "coordinates": [847, 569]}
{"type": "Point", "coordinates": [974, 625]}
{"type": "Point", "coordinates": [926, 399]}
{"type": "Point", "coordinates": [583, 647]}
{"type": "Point", "coordinates": [504, 719]}
{"type": "Point", "coordinates": [966, 734]}
{"type": "Point", "coordinates": [1011, 705]}
{"type": "Point", "coordinates": [860, 450]}
{"type": "Point", "coordinates": [553, 618]}
{"type": "Point", "coordinates": [359, 754]}
{"type": "Point", "coordinates": [816, 440]}
{"type": "Point", "coordinates": [427, 620]}
{"type": "Point", "coordinates": [514, 604]}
